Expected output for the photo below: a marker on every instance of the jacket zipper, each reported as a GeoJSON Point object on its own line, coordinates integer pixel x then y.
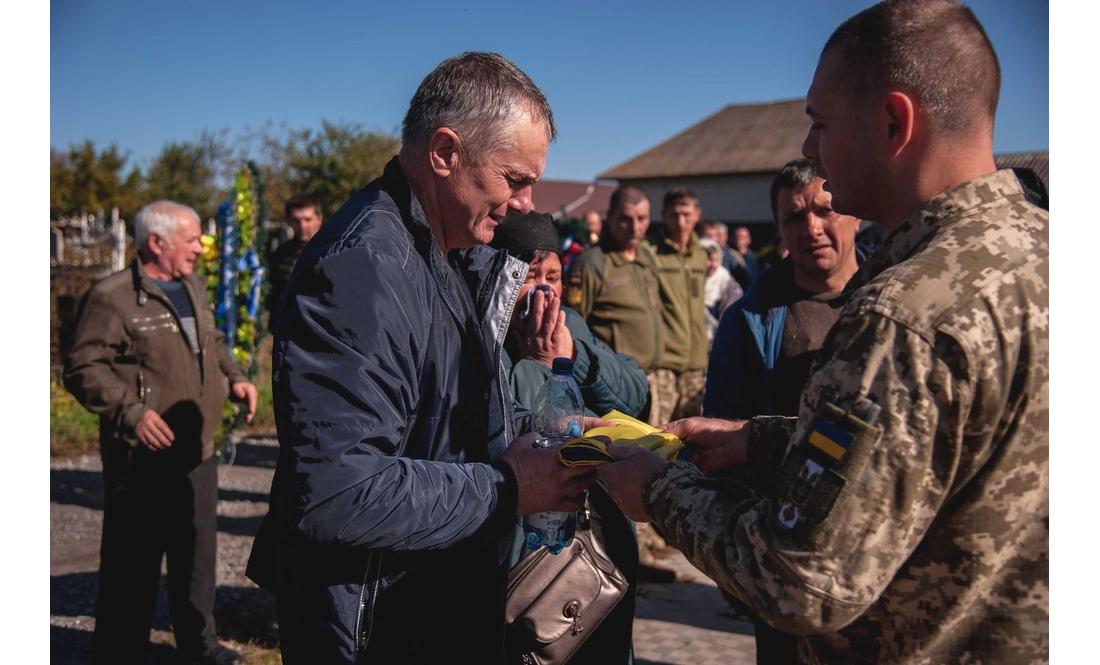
{"type": "Point", "coordinates": [367, 595]}
{"type": "Point", "coordinates": [179, 328]}
{"type": "Point", "coordinates": [502, 380]}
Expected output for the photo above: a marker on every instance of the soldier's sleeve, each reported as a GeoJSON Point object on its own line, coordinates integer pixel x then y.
{"type": "Point", "coordinates": [90, 376]}
{"type": "Point", "coordinates": [852, 499]}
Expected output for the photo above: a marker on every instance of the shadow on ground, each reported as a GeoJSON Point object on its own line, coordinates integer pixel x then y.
{"type": "Point", "coordinates": [77, 488]}
{"type": "Point", "coordinates": [667, 602]}
{"type": "Point", "coordinates": [257, 455]}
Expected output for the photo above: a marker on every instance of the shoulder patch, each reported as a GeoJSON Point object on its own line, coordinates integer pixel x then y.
{"type": "Point", "coordinates": [573, 295]}
{"type": "Point", "coordinates": [834, 450]}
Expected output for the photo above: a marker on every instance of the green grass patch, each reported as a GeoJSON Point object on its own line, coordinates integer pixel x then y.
{"type": "Point", "coordinates": [73, 429]}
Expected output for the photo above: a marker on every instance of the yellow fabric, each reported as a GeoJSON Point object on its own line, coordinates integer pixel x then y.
{"type": "Point", "coordinates": [627, 432]}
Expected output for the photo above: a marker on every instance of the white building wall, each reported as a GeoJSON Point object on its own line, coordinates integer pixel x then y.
{"type": "Point", "coordinates": [734, 199]}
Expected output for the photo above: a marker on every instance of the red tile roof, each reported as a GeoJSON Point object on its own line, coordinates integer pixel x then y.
{"type": "Point", "coordinates": [551, 196]}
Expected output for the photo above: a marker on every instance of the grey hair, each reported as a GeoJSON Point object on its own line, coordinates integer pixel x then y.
{"type": "Point", "coordinates": [711, 246]}
{"type": "Point", "coordinates": [479, 96]}
{"type": "Point", "coordinates": [162, 218]}
{"type": "Point", "coordinates": [795, 174]}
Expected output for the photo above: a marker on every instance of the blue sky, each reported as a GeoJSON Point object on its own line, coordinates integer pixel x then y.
{"type": "Point", "coordinates": [621, 77]}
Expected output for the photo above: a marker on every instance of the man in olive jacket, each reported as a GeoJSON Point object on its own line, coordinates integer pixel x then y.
{"type": "Point", "coordinates": [148, 359]}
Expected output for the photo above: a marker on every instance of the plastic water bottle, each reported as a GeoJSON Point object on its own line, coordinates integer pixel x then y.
{"type": "Point", "coordinates": [559, 417]}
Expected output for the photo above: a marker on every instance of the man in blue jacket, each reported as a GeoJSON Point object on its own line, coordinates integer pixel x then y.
{"type": "Point", "coordinates": [400, 472]}
{"type": "Point", "coordinates": [766, 341]}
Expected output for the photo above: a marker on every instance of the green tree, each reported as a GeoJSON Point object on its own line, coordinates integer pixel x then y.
{"type": "Point", "coordinates": [84, 179]}
{"type": "Point", "coordinates": [192, 172]}
{"type": "Point", "coordinates": [336, 161]}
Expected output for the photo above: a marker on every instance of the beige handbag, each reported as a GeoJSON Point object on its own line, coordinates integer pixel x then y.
{"type": "Point", "coordinates": [556, 601]}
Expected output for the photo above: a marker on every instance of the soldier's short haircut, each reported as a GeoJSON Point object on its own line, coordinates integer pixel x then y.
{"type": "Point", "coordinates": [935, 50]}
{"type": "Point", "coordinates": [795, 174]}
{"type": "Point", "coordinates": [678, 195]}
{"type": "Point", "coordinates": [302, 200]}
{"type": "Point", "coordinates": [161, 217]}
{"type": "Point", "coordinates": [625, 195]}
{"type": "Point", "coordinates": [479, 96]}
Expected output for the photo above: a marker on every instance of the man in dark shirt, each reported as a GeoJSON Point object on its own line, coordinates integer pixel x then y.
{"type": "Point", "coordinates": [767, 340]}
{"type": "Point", "coordinates": [303, 216]}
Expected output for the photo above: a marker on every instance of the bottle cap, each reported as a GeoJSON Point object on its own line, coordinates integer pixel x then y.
{"type": "Point", "coordinates": [563, 366]}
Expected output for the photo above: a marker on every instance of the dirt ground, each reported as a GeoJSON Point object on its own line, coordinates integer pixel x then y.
{"type": "Point", "coordinates": [243, 612]}
{"type": "Point", "coordinates": [682, 623]}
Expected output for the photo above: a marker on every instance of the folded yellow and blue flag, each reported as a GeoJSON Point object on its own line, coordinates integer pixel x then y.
{"type": "Point", "coordinates": [591, 449]}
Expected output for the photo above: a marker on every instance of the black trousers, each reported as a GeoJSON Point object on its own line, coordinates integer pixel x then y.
{"type": "Point", "coordinates": [153, 508]}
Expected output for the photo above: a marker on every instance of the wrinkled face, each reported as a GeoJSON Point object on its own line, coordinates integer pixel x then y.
{"type": "Point", "coordinates": [838, 141]}
{"type": "Point", "coordinates": [177, 254]}
{"type": "Point", "coordinates": [628, 225]}
{"type": "Point", "coordinates": [305, 222]}
{"type": "Point", "coordinates": [820, 240]}
{"type": "Point", "coordinates": [546, 271]}
{"type": "Point", "coordinates": [476, 197]}
{"type": "Point", "coordinates": [680, 219]}
{"type": "Point", "coordinates": [744, 239]}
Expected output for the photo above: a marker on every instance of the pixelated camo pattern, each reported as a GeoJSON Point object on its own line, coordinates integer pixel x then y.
{"type": "Point", "coordinates": [936, 549]}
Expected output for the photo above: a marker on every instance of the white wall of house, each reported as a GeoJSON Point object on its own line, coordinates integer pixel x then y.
{"type": "Point", "coordinates": [740, 199]}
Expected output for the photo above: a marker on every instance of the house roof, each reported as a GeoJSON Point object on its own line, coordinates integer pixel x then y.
{"type": "Point", "coordinates": [551, 196]}
{"type": "Point", "coordinates": [753, 138]}
{"type": "Point", "coordinates": [745, 138]}
{"type": "Point", "coordinates": [1036, 161]}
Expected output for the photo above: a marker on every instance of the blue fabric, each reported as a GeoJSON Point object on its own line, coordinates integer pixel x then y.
{"type": "Point", "coordinates": [746, 346]}
{"type": "Point", "coordinates": [177, 294]}
{"type": "Point", "coordinates": [389, 509]}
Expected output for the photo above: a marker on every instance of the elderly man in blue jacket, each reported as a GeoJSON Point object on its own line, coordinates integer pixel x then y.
{"type": "Point", "coordinates": [401, 466]}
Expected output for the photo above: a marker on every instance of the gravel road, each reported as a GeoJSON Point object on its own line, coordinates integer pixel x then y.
{"type": "Point", "coordinates": [245, 615]}
{"type": "Point", "coordinates": [684, 623]}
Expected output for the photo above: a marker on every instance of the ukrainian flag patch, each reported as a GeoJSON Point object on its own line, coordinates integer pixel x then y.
{"type": "Point", "coordinates": [830, 439]}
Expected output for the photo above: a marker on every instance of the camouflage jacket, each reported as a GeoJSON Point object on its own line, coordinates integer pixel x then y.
{"type": "Point", "coordinates": [922, 537]}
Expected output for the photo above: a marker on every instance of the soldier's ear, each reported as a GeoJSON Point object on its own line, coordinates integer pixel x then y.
{"type": "Point", "coordinates": [444, 152]}
{"type": "Point", "coordinates": [899, 115]}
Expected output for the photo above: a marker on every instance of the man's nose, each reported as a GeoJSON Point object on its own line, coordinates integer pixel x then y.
{"type": "Point", "coordinates": [814, 223]}
{"type": "Point", "coordinates": [809, 146]}
{"type": "Point", "coordinates": [521, 201]}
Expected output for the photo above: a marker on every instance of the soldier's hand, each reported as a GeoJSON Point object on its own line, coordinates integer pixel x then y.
{"type": "Point", "coordinates": [243, 391]}
{"type": "Point", "coordinates": [625, 478]}
{"type": "Point", "coordinates": [153, 432]}
{"type": "Point", "coordinates": [544, 482]}
{"type": "Point", "coordinates": [545, 336]}
{"type": "Point", "coordinates": [717, 443]}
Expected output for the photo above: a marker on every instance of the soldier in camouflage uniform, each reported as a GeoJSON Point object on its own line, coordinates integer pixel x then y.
{"type": "Point", "coordinates": [903, 516]}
